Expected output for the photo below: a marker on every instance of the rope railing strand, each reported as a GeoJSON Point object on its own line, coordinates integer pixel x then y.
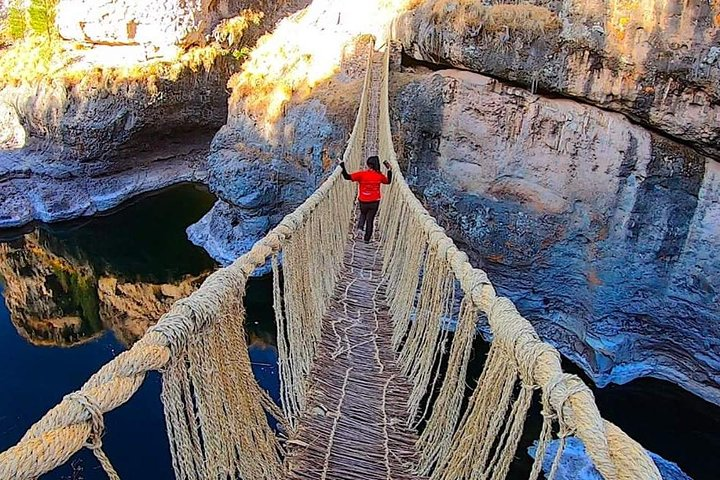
{"type": "Point", "coordinates": [481, 442]}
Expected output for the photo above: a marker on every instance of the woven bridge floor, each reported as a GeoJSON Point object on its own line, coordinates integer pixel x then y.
{"type": "Point", "coordinates": [355, 424]}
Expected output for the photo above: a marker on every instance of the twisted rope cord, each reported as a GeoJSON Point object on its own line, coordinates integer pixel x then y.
{"type": "Point", "coordinates": [94, 442]}
{"type": "Point", "coordinates": [614, 454]}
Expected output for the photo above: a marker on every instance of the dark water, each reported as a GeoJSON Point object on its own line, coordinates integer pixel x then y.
{"type": "Point", "coordinates": [144, 245]}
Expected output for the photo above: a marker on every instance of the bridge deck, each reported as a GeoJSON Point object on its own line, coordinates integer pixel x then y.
{"type": "Point", "coordinates": [354, 426]}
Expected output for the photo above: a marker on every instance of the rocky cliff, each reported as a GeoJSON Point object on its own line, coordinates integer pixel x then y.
{"type": "Point", "coordinates": [291, 111]}
{"type": "Point", "coordinates": [112, 117]}
{"type": "Point", "coordinates": [656, 61]}
{"type": "Point", "coordinates": [601, 231]}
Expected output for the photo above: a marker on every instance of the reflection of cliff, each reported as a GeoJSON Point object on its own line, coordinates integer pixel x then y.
{"type": "Point", "coordinates": [129, 309]}
{"type": "Point", "coordinates": [61, 301]}
{"type": "Point", "coordinates": [51, 300]}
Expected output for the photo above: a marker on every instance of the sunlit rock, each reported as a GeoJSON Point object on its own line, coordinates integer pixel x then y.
{"type": "Point", "coordinates": [291, 110]}
{"type": "Point", "coordinates": [106, 122]}
{"type": "Point", "coordinates": [604, 233]}
{"type": "Point", "coordinates": [656, 61]}
{"type": "Point", "coordinates": [12, 133]}
{"type": "Point", "coordinates": [156, 22]}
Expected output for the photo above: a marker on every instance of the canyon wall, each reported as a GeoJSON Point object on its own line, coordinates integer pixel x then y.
{"type": "Point", "coordinates": [111, 121]}
{"type": "Point", "coordinates": [602, 232]}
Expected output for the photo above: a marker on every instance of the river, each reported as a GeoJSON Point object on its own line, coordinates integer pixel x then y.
{"type": "Point", "coordinates": [76, 294]}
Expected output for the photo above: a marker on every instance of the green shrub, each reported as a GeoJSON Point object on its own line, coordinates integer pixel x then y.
{"type": "Point", "coordinates": [42, 18]}
{"type": "Point", "coordinates": [37, 19]}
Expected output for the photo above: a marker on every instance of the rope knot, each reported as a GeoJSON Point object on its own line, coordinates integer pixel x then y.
{"type": "Point", "coordinates": [559, 389]}
{"type": "Point", "coordinates": [97, 428]}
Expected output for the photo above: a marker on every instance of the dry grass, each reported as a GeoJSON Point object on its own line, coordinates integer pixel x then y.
{"type": "Point", "coordinates": [280, 70]}
{"type": "Point", "coordinates": [523, 18]}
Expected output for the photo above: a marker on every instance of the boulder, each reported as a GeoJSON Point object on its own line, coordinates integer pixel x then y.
{"type": "Point", "coordinates": [575, 464]}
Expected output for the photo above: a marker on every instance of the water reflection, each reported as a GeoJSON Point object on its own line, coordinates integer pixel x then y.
{"type": "Point", "coordinates": [63, 301]}
{"type": "Point", "coordinates": [65, 285]}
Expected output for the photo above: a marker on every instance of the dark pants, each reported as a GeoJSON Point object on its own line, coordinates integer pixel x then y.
{"type": "Point", "coordinates": [368, 210]}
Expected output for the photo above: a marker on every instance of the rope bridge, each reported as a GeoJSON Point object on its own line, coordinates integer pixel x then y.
{"type": "Point", "coordinates": [370, 388]}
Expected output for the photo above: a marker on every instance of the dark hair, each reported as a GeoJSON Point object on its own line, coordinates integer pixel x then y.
{"type": "Point", "coordinates": [374, 163]}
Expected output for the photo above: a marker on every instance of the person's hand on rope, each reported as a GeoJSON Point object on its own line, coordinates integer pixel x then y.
{"type": "Point", "coordinates": [387, 164]}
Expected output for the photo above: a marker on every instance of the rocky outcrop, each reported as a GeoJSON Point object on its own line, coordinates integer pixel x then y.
{"type": "Point", "coordinates": [92, 145]}
{"type": "Point", "coordinates": [291, 111]}
{"type": "Point", "coordinates": [258, 183]}
{"type": "Point", "coordinates": [113, 123]}
{"type": "Point", "coordinates": [575, 464]}
{"type": "Point", "coordinates": [657, 62]}
{"type": "Point", "coordinates": [602, 232]}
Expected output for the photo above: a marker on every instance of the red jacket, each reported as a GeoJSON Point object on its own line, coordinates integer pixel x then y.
{"type": "Point", "coordinates": [369, 188]}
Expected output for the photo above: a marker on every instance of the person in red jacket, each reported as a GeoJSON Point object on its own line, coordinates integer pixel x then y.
{"type": "Point", "coordinates": [368, 191]}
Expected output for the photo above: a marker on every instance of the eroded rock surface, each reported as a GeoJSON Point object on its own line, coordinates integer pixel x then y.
{"type": "Point", "coordinates": [656, 61]}
{"type": "Point", "coordinates": [112, 123]}
{"type": "Point", "coordinates": [603, 233]}
{"type": "Point", "coordinates": [575, 464]}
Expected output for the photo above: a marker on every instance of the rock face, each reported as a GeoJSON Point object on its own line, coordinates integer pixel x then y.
{"type": "Point", "coordinates": [655, 61]}
{"type": "Point", "coordinates": [603, 233]}
{"type": "Point", "coordinates": [291, 111]}
{"type": "Point", "coordinates": [576, 465]}
{"type": "Point", "coordinates": [156, 22]}
{"type": "Point", "coordinates": [115, 124]}
{"type": "Point", "coordinates": [89, 147]}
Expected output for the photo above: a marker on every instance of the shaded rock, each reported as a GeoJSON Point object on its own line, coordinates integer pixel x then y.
{"type": "Point", "coordinates": [89, 147]}
{"type": "Point", "coordinates": [575, 464]}
{"type": "Point", "coordinates": [655, 61]}
{"type": "Point", "coordinates": [602, 232]}
{"type": "Point", "coordinates": [32, 191]}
